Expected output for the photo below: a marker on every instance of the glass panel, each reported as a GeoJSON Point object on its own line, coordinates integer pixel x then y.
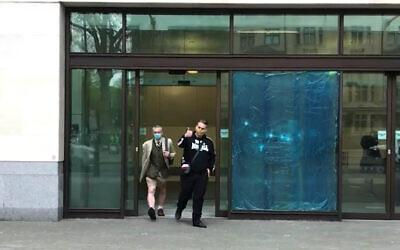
{"type": "Point", "coordinates": [177, 34]}
{"type": "Point", "coordinates": [364, 142]}
{"type": "Point", "coordinates": [177, 77]}
{"type": "Point", "coordinates": [95, 151]}
{"type": "Point", "coordinates": [397, 150]}
{"type": "Point", "coordinates": [282, 159]}
{"type": "Point", "coordinates": [285, 34]}
{"type": "Point", "coordinates": [224, 142]}
{"type": "Point", "coordinates": [96, 33]}
{"type": "Point", "coordinates": [391, 35]}
{"type": "Point", "coordinates": [371, 35]}
{"type": "Point", "coordinates": [130, 133]}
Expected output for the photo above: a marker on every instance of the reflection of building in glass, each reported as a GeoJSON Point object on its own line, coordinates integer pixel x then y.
{"type": "Point", "coordinates": [286, 35]}
{"type": "Point", "coordinates": [364, 113]}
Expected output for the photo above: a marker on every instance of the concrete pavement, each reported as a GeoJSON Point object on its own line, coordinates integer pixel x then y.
{"type": "Point", "coordinates": [166, 233]}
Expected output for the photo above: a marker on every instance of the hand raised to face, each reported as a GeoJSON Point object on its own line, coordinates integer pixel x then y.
{"type": "Point", "coordinates": [188, 133]}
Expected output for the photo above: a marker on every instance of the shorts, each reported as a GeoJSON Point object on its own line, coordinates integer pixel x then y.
{"type": "Point", "coordinates": [159, 181]}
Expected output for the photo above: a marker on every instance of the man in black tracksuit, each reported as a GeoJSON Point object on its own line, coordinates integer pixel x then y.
{"type": "Point", "coordinates": [195, 182]}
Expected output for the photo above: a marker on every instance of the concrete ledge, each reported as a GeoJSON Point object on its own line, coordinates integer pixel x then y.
{"type": "Point", "coordinates": [30, 168]}
{"type": "Point", "coordinates": [31, 214]}
{"type": "Point", "coordinates": [31, 191]}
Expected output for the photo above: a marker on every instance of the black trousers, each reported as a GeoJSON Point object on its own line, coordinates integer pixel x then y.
{"type": "Point", "coordinates": [193, 184]}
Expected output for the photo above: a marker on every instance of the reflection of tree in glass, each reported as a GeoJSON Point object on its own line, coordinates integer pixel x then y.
{"type": "Point", "coordinates": [386, 23]}
{"type": "Point", "coordinates": [105, 102]}
{"type": "Point", "coordinates": [101, 33]}
{"type": "Point", "coordinates": [386, 30]}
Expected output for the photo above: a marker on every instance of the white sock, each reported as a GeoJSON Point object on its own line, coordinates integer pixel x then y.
{"type": "Point", "coordinates": [160, 207]}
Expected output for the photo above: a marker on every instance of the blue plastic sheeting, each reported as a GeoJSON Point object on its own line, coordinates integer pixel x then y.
{"type": "Point", "coordinates": [285, 129]}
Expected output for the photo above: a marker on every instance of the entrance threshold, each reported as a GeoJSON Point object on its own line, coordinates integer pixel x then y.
{"type": "Point", "coordinates": [170, 207]}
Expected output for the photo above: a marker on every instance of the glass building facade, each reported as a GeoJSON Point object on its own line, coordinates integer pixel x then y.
{"type": "Point", "coordinates": [302, 107]}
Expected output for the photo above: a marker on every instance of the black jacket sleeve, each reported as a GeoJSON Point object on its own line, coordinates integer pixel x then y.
{"type": "Point", "coordinates": [212, 157]}
{"type": "Point", "coordinates": [182, 142]}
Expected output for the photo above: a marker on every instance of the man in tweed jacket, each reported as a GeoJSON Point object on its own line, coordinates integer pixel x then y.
{"type": "Point", "coordinates": [157, 153]}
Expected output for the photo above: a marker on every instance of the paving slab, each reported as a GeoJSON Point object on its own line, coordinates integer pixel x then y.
{"type": "Point", "coordinates": [166, 233]}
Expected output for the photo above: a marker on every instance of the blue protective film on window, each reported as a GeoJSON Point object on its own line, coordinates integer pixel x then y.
{"type": "Point", "coordinates": [284, 139]}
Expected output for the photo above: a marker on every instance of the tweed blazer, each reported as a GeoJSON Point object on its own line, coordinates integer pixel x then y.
{"type": "Point", "coordinates": [147, 147]}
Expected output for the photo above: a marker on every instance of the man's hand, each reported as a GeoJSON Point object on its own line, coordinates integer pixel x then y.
{"type": "Point", "coordinates": [188, 133]}
{"type": "Point", "coordinates": [166, 154]}
{"type": "Point", "coordinates": [208, 172]}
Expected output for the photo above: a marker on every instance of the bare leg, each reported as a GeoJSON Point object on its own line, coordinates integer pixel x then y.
{"type": "Point", "coordinates": [150, 196]}
{"type": "Point", "coordinates": [162, 194]}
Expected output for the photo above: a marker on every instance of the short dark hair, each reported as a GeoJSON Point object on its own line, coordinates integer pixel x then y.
{"type": "Point", "coordinates": [203, 121]}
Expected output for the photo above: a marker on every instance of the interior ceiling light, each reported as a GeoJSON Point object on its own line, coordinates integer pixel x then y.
{"type": "Point", "coordinates": [192, 71]}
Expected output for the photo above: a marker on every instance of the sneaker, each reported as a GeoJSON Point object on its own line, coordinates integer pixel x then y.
{"type": "Point", "coordinates": [199, 223]}
{"type": "Point", "coordinates": [152, 213]}
{"type": "Point", "coordinates": [160, 212]}
{"type": "Point", "coordinates": [178, 214]}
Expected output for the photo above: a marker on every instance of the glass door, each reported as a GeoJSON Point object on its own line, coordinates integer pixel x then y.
{"type": "Point", "coordinates": [131, 149]}
{"type": "Point", "coordinates": [371, 145]}
{"type": "Point", "coordinates": [364, 127]}
{"type": "Point", "coordinates": [175, 100]}
{"type": "Point", "coordinates": [395, 170]}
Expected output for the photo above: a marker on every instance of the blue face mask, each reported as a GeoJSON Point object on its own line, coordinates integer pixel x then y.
{"type": "Point", "coordinates": [157, 136]}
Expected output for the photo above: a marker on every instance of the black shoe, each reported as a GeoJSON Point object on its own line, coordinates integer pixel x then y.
{"type": "Point", "coordinates": [178, 214]}
{"type": "Point", "coordinates": [199, 223]}
{"type": "Point", "coordinates": [152, 213]}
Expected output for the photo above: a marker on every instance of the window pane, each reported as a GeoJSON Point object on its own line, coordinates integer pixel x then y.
{"type": "Point", "coordinates": [371, 35]}
{"type": "Point", "coordinates": [96, 33]}
{"type": "Point", "coordinates": [391, 34]}
{"type": "Point", "coordinates": [95, 149]}
{"type": "Point", "coordinates": [284, 139]}
{"type": "Point", "coordinates": [364, 142]}
{"type": "Point", "coordinates": [285, 34]}
{"type": "Point", "coordinates": [177, 34]}
{"type": "Point", "coordinates": [362, 34]}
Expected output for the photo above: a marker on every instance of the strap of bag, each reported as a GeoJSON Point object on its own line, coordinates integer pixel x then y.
{"type": "Point", "coordinates": [166, 144]}
{"type": "Point", "coordinates": [197, 153]}
{"type": "Point", "coordinates": [167, 148]}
